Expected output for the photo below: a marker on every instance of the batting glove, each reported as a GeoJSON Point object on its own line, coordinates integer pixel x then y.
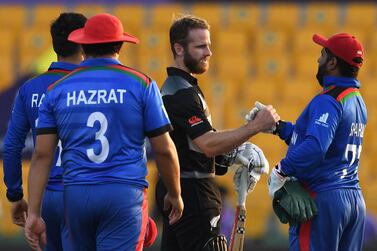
{"type": "Point", "coordinates": [244, 180]}
{"type": "Point", "coordinates": [252, 157]}
{"type": "Point", "coordinates": [276, 180]}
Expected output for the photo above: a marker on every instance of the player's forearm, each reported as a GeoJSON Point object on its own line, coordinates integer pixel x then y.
{"type": "Point", "coordinates": [168, 167]}
{"type": "Point", "coordinates": [13, 145]}
{"type": "Point", "coordinates": [167, 162]}
{"type": "Point", "coordinates": [40, 169]}
{"type": "Point", "coordinates": [38, 177]}
{"type": "Point", "coordinates": [12, 173]}
{"type": "Point", "coordinates": [220, 142]}
{"type": "Point", "coordinates": [306, 155]}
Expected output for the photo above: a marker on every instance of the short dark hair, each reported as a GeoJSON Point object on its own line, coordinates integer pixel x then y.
{"type": "Point", "coordinates": [345, 69]}
{"type": "Point", "coordinates": [181, 27]}
{"type": "Point", "coordinates": [60, 30]}
{"type": "Point", "coordinates": [98, 50]}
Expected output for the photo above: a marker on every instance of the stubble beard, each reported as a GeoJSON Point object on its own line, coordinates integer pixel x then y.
{"type": "Point", "coordinates": [194, 65]}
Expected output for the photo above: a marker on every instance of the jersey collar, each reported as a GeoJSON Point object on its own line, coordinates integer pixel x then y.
{"type": "Point", "coordinates": [173, 71]}
{"type": "Point", "coordinates": [99, 62]}
{"type": "Point", "coordinates": [340, 81]}
{"type": "Point", "coordinates": [63, 66]}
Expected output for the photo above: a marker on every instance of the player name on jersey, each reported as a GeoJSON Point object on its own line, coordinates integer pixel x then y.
{"type": "Point", "coordinates": [94, 97]}
{"type": "Point", "coordinates": [36, 99]}
{"type": "Point", "coordinates": [357, 129]}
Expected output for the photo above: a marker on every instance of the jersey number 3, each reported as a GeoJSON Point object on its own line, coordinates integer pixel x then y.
{"type": "Point", "coordinates": [100, 135]}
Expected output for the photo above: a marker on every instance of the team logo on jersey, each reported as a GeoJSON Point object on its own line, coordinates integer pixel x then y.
{"type": "Point", "coordinates": [322, 120]}
{"type": "Point", "coordinates": [194, 120]}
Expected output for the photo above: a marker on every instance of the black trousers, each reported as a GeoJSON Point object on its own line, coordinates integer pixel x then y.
{"type": "Point", "coordinates": [201, 216]}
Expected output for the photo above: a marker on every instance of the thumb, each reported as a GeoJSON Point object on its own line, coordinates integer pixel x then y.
{"type": "Point", "coordinates": [44, 238]}
{"type": "Point", "coordinates": [173, 216]}
{"type": "Point", "coordinates": [167, 204]}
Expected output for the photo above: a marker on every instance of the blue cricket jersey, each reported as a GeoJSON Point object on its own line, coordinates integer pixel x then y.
{"type": "Point", "coordinates": [102, 113]}
{"type": "Point", "coordinates": [23, 118]}
{"type": "Point", "coordinates": [326, 142]}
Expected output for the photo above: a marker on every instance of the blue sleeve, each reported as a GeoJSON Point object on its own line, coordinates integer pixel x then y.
{"type": "Point", "coordinates": [46, 118]}
{"type": "Point", "coordinates": [307, 154]}
{"type": "Point", "coordinates": [14, 142]}
{"type": "Point", "coordinates": [156, 120]}
{"type": "Point", "coordinates": [285, 132]}
{"type": "Point", "coordinates": [323, 118]}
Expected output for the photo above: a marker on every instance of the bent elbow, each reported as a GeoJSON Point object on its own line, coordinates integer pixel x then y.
{"type": "Point", "coordinates": [40, 154]}
{"type": "Point", "coordinates": [11, 149]}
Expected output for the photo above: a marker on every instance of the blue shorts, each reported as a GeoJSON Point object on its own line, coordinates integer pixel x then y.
{"type": "Point", "coordinates": [106, 217]}
{"type": "Point", "coordinates": [53, 215]}
{"type": "Point", "coordinates": [339, 225]}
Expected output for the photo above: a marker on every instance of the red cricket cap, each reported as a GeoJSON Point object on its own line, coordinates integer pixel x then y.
{"type": "Point", "coordinates": [342, 45]}
{"type": "Point", "coordinates": [102, 28]}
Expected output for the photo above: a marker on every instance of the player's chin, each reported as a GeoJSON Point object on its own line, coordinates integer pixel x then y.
{"type": "Point", "coordinates": [202, 67]}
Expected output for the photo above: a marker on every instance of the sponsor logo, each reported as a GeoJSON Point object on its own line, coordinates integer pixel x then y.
{"type": "Point", "coordinates": [194, 120]}
{"type": "Point", "coordinates": [322, 120]}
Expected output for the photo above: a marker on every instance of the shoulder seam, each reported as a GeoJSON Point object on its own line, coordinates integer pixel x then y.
{"type": "Point", "coordinates": [339, 93]}
{"type": "Point", "coordinates": [137, 73]}
{"type": "Point", "coordinates": [172, 79]}
{"type": "Point", "coordinates": [50, 87]}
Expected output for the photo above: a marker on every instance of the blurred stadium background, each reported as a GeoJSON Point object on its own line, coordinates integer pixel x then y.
{"type": "Point", "coordinates": [261, 51]}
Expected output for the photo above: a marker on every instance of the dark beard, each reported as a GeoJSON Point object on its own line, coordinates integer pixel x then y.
{"type": "Point", "coordinates": [192, 64]}
{"type": "Point", "coordinates": [321, 73]}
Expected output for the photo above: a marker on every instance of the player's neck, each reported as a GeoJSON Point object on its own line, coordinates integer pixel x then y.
{"type": "Point", "coordinates": [114, 56]}
{"type": "Point", "coordinates": [335, 73]}
{"type": "Point", "coordinates": [74, 59]}
{"type": "Point", "coordinates": [180, 65]}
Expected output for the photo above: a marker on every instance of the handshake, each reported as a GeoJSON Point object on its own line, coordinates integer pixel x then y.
{"type": "Point", "coordinates": [253, 113]}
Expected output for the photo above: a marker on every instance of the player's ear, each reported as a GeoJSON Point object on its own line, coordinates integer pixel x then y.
{"type": "Point", "coordinates": [332, 64]}
{"type": "Point", "coordinates": [179, 49]}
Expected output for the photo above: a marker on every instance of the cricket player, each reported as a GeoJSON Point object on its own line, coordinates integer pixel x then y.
{"type": "Point", "coordinates": [324, 150]}
{"type": "Point", "coordinates": [196, 140]}
{"type": "Point", "coordinates": [25, 117]}
{"type": "Point", "coordinates": [102, 113]}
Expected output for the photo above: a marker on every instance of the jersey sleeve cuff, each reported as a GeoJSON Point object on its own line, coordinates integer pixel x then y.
{"type": "Point", "coordinates": [46, 130]}
{"type": "Point", "coordinates": [13, 197]}
{"type": "Point", "coordinates": [159, 131]}
{"type": "Point", "coordinates": [285, 168]}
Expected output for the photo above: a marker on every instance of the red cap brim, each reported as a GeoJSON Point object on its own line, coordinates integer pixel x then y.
{"type": "Point", "coordinates": [318, 39]}
{"type": "Point", "coordinates": [78, 36]}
